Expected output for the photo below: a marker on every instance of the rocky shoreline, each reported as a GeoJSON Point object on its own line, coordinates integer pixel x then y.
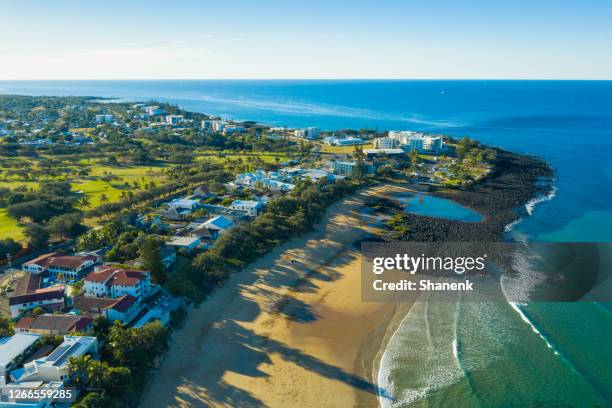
{"type": "Point", "coordinates": [500, 197]}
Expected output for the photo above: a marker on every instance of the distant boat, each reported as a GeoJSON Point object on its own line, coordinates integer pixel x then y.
{"type": "Point", "coordinates": [442, 92]}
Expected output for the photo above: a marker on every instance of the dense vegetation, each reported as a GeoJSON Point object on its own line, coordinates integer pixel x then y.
{"type": "Point", "coordinates": [285, 217]}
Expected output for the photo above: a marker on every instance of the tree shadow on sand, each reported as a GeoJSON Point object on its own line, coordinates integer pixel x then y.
{"type": "Point", "coordinates": [250, 351]}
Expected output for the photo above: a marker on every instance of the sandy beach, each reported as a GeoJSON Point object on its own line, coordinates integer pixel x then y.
{"type": "Point", "coordinates": [289, 330]}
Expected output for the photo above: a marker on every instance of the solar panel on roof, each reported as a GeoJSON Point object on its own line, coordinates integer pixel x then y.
{"type": "Point", "coordinates": [57, 353]}
{"type": "Point", "coordinates": [68, 353]}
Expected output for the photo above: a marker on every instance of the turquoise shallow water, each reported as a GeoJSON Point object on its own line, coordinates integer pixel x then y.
{"type": "Point", "coordinates": [449, 354]}
{"type": "Point", "coordinates": [429, 206]}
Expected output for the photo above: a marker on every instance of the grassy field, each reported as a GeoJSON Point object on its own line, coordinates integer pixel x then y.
{"type": "Point", "coordinates": [96, 185]}
{"type": "Point", "coordinates": [9, 228]}
{"type": "Point", "coordinates": [270, 158]}
{"type": "Point", "coordinates": [325, 148]}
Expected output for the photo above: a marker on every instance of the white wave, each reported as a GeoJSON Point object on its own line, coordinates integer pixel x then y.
{"type": "Point", "coordinates": [429, 352]}
{"type": "Point", "coordinates": [513, 224]}
{"type": "Point", "coordinates": [302, 108]}
{"type": "Point", "coordinates": [517, 308]}
{"type": "Point", "coordinates": [530, 206]}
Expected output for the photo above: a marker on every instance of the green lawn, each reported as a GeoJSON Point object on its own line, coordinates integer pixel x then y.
{"type": "Point", "coordinates": [325, 148]}
{"type": "Point", "coordinates": [9, 228]}
{"type": "Point", "coordinates": [93, 186]}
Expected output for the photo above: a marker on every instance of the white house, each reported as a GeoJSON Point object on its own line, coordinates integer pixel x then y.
{"type": "Point", "coordinates": [17, 345]}
{"type": "Point", "coordinates": [54, 367]}
{"type": "Point", "coordinates": [253, 208]}
{"type": "Point", "coordinates": [62, 266]}
{"type": "Point", "coordinates": [50, 299]}
{"type": "Point", "coordinates": [114, 282]}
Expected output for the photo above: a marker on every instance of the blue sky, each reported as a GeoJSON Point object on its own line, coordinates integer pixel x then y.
{"type": "Point", "coordinates": [310, 39]}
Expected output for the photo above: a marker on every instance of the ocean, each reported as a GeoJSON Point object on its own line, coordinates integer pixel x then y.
{"type": "Point", "coordinates": [451, 353]}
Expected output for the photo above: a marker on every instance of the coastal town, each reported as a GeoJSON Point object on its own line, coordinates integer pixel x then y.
{"type": "Point", "coordinates": [118, 218]}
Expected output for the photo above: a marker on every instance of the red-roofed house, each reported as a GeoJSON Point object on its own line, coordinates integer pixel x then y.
{"type": "Point", "coordinates": [112, 282]}
{"type": "Point", "coordinates": [62, 266]}
{"type": "Point", "coordinates": [50, 299]}
{"type": "Point", "coordinates": [54, 324]}
{"type": "Point", "coordinates": [123, 309]}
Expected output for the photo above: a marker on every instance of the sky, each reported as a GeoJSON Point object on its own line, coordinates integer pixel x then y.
{"type": "Point", "coordinates": [382, 39]}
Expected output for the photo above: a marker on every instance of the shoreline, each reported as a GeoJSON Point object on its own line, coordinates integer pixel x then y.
{"type": "Point", "coordinates": [290, 327]}
{"type": "Point", "coordinates": [307, 332]}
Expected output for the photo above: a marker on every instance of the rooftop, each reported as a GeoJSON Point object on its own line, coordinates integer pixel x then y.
{"type": "Point", "coordinates": [183, 241]}
{"type": "Point", "coordinates": [247, 203]}
{"type": "Point", "coordinates": [54, 322]}
{"type": "Point", "coordinates": [11, 347]}
{"type": "Point", "coordinates": [219, 222]}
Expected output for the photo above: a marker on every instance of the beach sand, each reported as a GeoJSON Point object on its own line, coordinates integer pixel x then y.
{"type": "Point", "coordinates": [289, 330]}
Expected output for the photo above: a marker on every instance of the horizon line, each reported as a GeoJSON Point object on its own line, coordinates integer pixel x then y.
{"type": "Point", "coordinates": [308, 79]}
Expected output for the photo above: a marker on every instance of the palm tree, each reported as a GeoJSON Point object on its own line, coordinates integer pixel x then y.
{"type": "Point", "coordinates": [414, 159]}
{"type": "Point", "coordinates": [77, 367]}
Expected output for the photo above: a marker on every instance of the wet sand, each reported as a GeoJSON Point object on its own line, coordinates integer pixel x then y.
{"type": "Point", "coordinates": [289, 330]}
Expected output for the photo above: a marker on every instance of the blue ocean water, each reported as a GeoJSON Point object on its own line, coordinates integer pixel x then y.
{"type": "Point", "coordinates": [568, 123]}
{"type": "Point", "coordinates": [451, 354]}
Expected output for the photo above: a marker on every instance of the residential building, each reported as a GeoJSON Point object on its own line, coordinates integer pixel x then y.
{"type": "Point", "coordinates": [15, 348]}
{"type": "Point", "coordinates": [54, 367]}
{"type": "Point", "coordinates": [49, 299]}
{"type": "Point", "coordinates": [413, 140]}
{"type": "Point", "coordinates": [386, 143]}
{"type": "Point", "coordinates": [433, 144]}
{"type": "Point", "coordinates": [123, 309]}
{"type": "Point", "coordinates": [104, 119]}
{"type": "Point", "coordinates": [309, 133]}
{"type": "Point", "coordinates": [54, 324]}
{"type": "Point", "coordinates": [109, 281]}
{"type": "Point", "coordinates": [219, 223]}
{"type": "Point", "coordinates": [253, 208]}
{"type": "Point", "coordinates": [62, 267]}
{"type": "Point", "coordinates": [218, 126]}
{"type": "Point", "coordinates": [187, 244]}
{"type": "Point", "coordinates": [347, 168]}
{"type": "Point", "coordinates": [207, 124]}
{"type": "Point", "coordinates": [174, 120]}
{"type": "Point", "coordinates": [185, 204]}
